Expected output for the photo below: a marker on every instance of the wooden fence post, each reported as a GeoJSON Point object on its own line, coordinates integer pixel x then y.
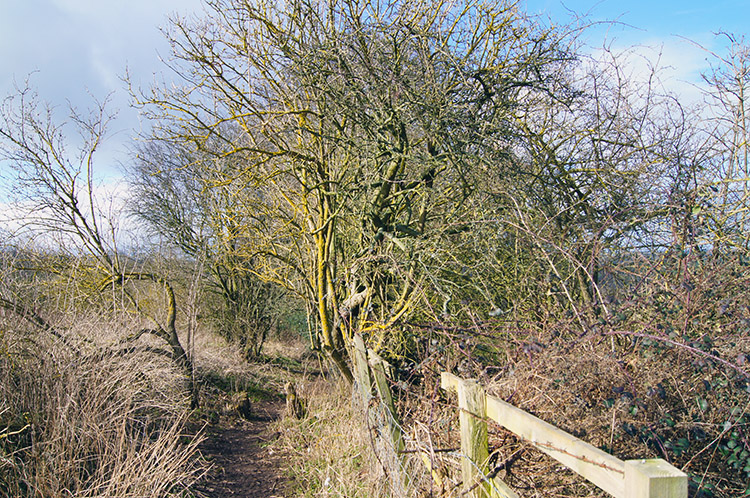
{"type": "Point", "coordinates": [654, 478]}
{"type": "Point", "coordinates": [384, 391]}
{"type": "Point", "coordinates": [472, 405]}
{"type": "Point", "coordinates": [381, 370]}
{"type": "Point", "coordinates": [362, 369]}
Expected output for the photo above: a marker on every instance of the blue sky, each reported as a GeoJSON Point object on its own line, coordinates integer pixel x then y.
{"type": "Point", "coordinates": [690, 18]}
{"type": "Point", "coordinates": [82, 47]}
{"type": "Point", "coordinates": [679, 33]}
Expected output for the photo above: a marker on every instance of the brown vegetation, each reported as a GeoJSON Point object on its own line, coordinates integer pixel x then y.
{"type": "Point", "coordinates": [462, 185]}
{"type": "Point", "coordinates": [92, 423]}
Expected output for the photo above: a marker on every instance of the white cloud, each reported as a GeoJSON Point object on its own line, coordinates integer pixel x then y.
{"type": "Point", "coordinates": [103, 67]}
{"type": "Point", "coordinates": [24, 220]}
{"type": "Point", "coordinates": [678, 62]}
{"type": "Point", "coordinates": [80, 48]}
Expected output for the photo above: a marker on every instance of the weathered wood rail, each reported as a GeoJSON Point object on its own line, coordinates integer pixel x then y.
{"type": "Point", "coordinates": [650, 478]}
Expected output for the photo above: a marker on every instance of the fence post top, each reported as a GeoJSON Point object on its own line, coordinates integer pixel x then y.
{"type": "Point", "coordinates": [653, 467]}
{"type": "Point", "coordinates": [449, 381]}
{"type": "Point", "coordinates": [654, 478]}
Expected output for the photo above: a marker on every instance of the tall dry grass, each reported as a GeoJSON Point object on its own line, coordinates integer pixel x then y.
{"type": "Point", "coordinates": [79, 420]}
{"type": "Point", "coordinates": [330, 452]}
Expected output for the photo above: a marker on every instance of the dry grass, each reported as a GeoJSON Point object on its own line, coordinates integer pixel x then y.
{"type": "Point", "coordinates": [87, 422]}
{"type": "Point", "coordinates": [330, 450]}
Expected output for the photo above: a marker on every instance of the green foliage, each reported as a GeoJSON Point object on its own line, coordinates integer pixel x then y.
{"type": "Point", "coordinates": [735, 446]}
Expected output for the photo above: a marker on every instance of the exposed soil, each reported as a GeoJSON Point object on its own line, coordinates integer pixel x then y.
{"type": "Point", "coordinates": [242, 464]}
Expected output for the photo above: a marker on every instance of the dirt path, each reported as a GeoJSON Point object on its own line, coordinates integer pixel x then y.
{"type": "Point", "coordinates": [242, 465]}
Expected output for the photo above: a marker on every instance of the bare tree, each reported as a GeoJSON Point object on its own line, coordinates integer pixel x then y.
{"type": "Point", "coordinates": [175, 194]}
{"type": "Point", "coordinates": [56, 198]}
{"type": "Point", "coordinates": [355, 129]}
{"type": "Point", "coordinates": [723, 184]}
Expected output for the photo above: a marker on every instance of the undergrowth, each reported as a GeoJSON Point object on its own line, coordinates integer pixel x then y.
{"type": "Point", "coordinates": [329, 451]}
{"type": "Point", "coordinates": [659, 372]}
{"type": "Point", "coordinates": [79, 420]}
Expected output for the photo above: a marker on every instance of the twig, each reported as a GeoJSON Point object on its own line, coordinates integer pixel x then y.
{"type": "Point", "coordinates": [487, 478]}
{"type": "Point", "coordinates": [440, 450]}
{"type": "Point", "coordinates": [684, 346]}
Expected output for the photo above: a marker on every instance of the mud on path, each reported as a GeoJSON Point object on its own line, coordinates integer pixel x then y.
{"type": "Point", "coordinates": [243, 466]}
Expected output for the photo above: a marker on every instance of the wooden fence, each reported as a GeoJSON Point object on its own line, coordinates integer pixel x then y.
{"type": "Point", "coordinates": [651, 478]}
{"type": "Point", "coordinates": [371, 373]}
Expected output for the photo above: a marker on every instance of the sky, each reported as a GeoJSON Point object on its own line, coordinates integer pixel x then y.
{"type": "Point", "coordinates": [79, 49]}
{"type": "Point", "coordinates": [678, 33]}
{"type": "Point", "coordinates": [656, 18]}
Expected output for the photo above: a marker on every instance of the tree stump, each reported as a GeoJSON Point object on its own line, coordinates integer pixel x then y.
{"type": "Point", "coordinates": [294, 406]}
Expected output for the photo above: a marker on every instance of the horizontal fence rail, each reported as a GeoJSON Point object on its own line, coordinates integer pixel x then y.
{"type": "Point", "coordinates": [649, 478]}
